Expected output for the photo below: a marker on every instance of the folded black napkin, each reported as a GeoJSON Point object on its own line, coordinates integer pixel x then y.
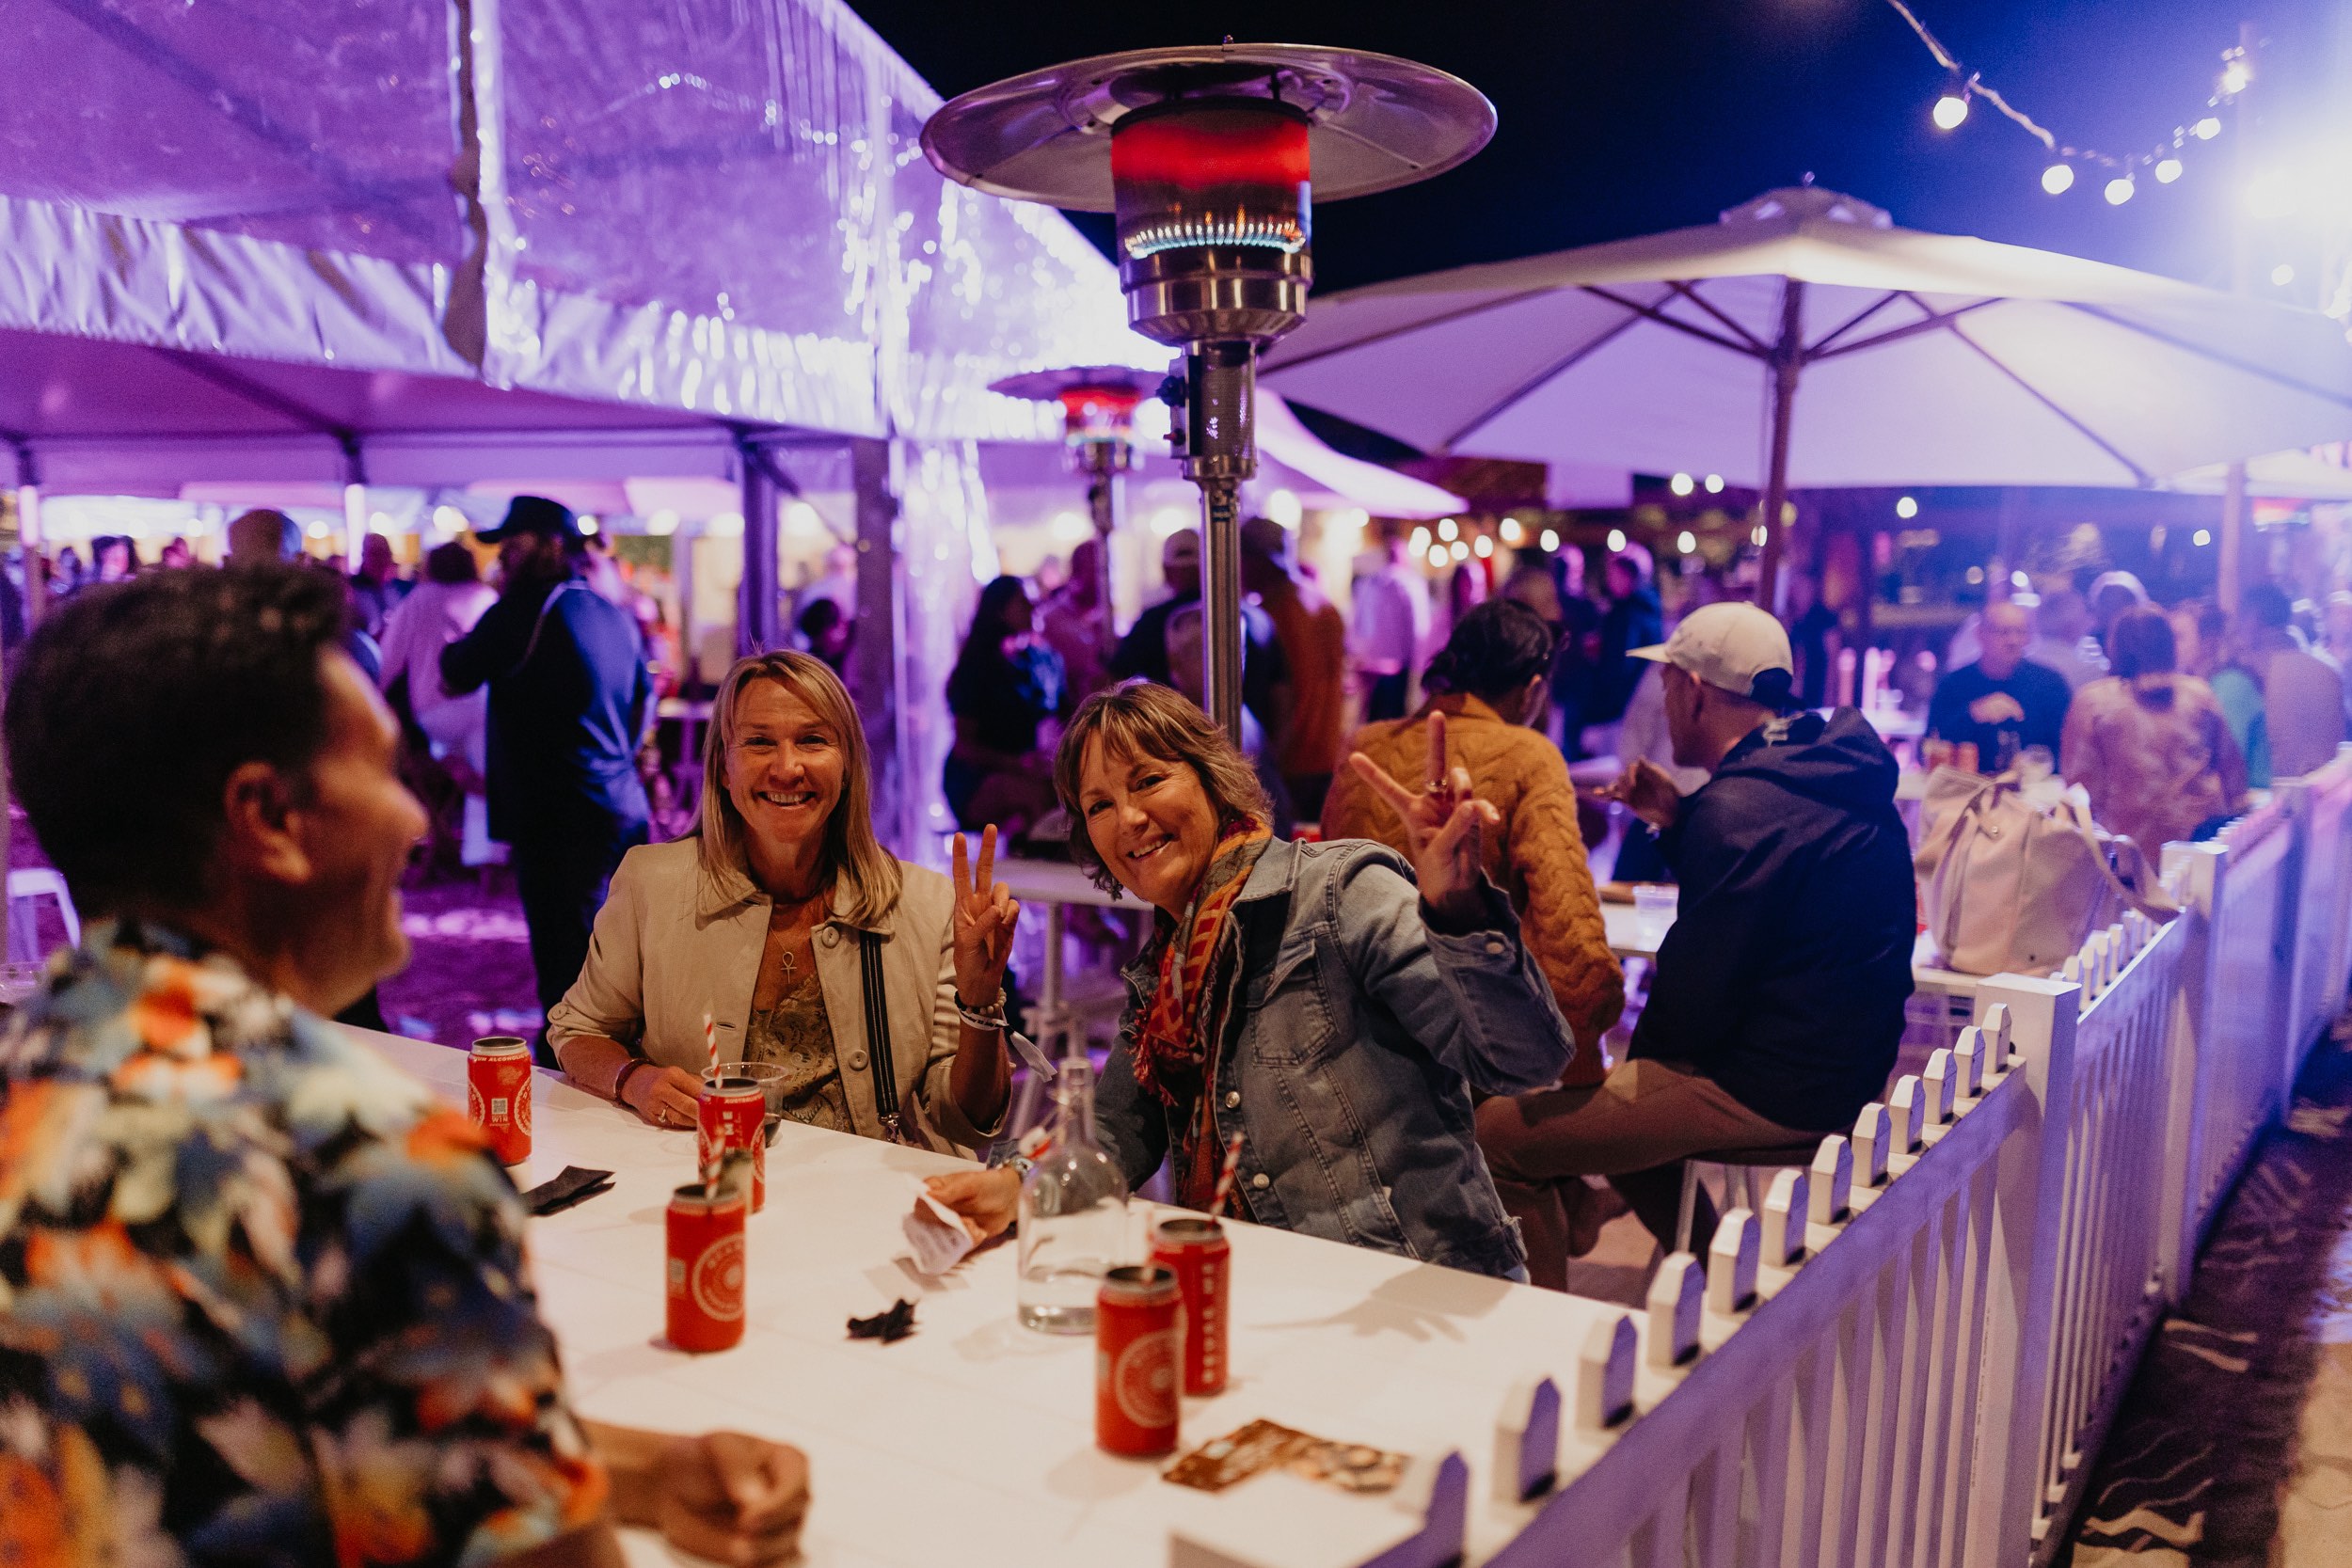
{"type": "Point", "coordinates": [574, 1186]}
{"type": "Point", "coordinates": [889, 1327]}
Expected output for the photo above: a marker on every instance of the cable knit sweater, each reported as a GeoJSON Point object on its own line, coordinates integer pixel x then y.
{"type": "Point", "coordinates": [1537, 857]}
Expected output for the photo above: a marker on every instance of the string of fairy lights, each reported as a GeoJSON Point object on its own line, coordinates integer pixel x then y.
{"type": "Point", "coordinates": [2163, 162]}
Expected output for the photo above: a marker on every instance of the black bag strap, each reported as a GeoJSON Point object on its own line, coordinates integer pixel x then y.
{"type": "Point", "coordinates": [877, 1058]}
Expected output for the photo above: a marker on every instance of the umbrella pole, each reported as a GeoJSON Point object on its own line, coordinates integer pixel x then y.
{"type": "Point", "coordinates": [1786, 360]}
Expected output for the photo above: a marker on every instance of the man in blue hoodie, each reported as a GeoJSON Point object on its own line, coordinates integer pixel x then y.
{"type": "Point", "coordinates": [1777, 1003]}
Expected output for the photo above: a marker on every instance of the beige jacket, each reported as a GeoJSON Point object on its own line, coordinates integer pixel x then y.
{"type": "Point", "coordinates": [668, 944]}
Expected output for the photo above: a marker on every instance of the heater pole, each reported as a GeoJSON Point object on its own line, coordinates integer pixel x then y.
{"type": "Point", "coordinates": [1220, 451]}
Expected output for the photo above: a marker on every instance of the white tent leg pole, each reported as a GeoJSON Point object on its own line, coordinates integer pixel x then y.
{"type": "Point", "coordinates": [2231, 581]}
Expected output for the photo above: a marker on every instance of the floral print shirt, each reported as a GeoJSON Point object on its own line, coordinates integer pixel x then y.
{"type": "Point", "coordinates": [262, 1299]}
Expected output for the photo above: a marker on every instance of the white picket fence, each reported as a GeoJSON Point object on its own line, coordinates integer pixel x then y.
{"type": "Point", "coordinates": [1918, 1367]}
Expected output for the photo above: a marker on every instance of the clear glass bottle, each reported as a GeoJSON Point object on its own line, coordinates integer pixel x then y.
{"type": "Point", "coordinates": [1073, 1213]}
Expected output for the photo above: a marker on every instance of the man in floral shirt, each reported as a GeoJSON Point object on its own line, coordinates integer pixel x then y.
{"type": "Point", "coordinates": [261, 1299]}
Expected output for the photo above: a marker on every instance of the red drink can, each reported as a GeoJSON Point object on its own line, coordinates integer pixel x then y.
{"type": "Point", "coordinates": [1193, 1247]}
{"type": "Point", "coordinates": [1139, 1353]}
{"type": "Point", "coordinates": [498, 1095]}
{"type": "Point", "coordinates": [733, 1115]}
{"type": "Point", "coordinates": [703, 1278]}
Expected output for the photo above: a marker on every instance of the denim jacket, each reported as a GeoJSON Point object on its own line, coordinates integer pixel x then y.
{"type": "Point", "coordinates": [1349, 1070]}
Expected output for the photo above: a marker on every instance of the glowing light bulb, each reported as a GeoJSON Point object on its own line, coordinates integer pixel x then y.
{"type": "Point", "coordinates": [2059, 178]}
{"type": "Point", "coordinates": [1421, 541]}
{"type": "Point", "coordinates": [1512, 532]}
{"type": "Point", "coordinates": [1284, 508]}
{"type": "Point", "coordinates": [1714, 485]}
{"type": "Point", "coordinates": [448, 520]}
{"type": "Point", "coordinates": [662, 523]}
{"type": "Point", "coordinates": [1906, 508]}
{"type": "Point", "coordinates": [2283, 275]}
{"type": "Point", "coordinates": [1483, 546]}
{"type": "Point", "coordinates": [1756, 536]}
{"type": "Point", "coordinates": [1449, 530]}
{"type": "Point", "coordinates": [2203, 537]}
{"type": "Point", "coordinates": [2205, 129]}
{"type": "Point", "coordinates": [588, 523]}
{"type": "Point", "coordinates": [1459, 550]}
{"type": "Point", "coordinates": [2271, 195]}
{"type": "Point", "coordinates": [1686, 541]}
{"type": "Point", "coordinates": [1549, 541]}
{"type": "Point", "coordinates": [2167, 170]}
{"type": "Point", "coordinates": [2120, 190]}
{"type": "Point", "coordinates": [1437, 555]}
{"type": "Point", "coordinates": [317, 531]}
{"type": "Point", "coordinates": [1974, 576]}
{"type": "Point", "coordinates": [2019, 579]}
{"type": "Point", "coordinates": [2236, 76]}
{"type": "Point", "coordinates": [1950, 110]}
{"type": "Point", "coordinates": [1681, 485]}
{"type": "Point", "coordinates": [1616, 539]}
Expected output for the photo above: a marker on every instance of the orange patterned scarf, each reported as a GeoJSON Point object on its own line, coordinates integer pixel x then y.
{"type": "Point", "coordinates": [1175, 1051]}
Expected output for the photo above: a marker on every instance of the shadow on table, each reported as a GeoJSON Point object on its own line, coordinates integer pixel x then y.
{"type": "Point", "coordinates": [1423, 1303]}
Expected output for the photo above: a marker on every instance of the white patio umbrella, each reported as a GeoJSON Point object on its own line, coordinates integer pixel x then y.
{"type": "Point", "coordinates": [1805, 340]}
{"type": "Point", "coordinates": [2293, 476]}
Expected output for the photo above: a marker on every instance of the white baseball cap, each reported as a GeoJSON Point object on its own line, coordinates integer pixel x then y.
{"type": "Point", "coordinates": [1735, 647]}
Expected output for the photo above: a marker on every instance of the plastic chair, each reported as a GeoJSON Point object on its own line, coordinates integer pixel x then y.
{"type": "Point", "coordinates": [1752, 1164]}
{"type": "Point", "coordinates": [26, 885]}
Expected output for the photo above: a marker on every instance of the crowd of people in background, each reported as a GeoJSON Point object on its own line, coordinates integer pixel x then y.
{"type": "Point", "coordinates": [2165, 717]}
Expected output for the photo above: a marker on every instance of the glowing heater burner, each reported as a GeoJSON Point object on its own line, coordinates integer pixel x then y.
{"type": "Point", "coordinates": [1210, 153]}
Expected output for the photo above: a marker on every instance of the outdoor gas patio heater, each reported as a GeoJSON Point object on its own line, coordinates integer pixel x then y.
{"type": "Point", "coordinates": [1204, 156]}
{"type": "Point", "coordinates": [1098, 410]}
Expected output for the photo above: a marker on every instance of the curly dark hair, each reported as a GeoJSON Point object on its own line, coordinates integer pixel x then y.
{"type": "Point", "coordinates": [133, 705]}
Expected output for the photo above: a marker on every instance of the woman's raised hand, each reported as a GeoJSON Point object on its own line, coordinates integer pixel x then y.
{"type": "Point", "coordinates": [1444, 829]}
{"type": "Point", "coordinates": [985, 912]}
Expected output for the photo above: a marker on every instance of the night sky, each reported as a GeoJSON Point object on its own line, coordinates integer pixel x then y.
{"type": "Point", "coordinates": [1627, 117]}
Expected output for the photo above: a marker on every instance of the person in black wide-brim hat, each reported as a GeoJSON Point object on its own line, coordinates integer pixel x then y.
{"type": "Point", "coordinates": [569, 697]}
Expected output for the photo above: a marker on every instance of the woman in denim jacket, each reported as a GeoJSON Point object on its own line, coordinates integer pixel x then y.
{"type": "Point", "coordinates": [1333, 1005]}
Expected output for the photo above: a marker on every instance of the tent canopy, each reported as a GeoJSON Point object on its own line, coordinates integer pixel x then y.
{"type": "Point", "coordinates": [1922, 358]}
{"type": "Point", "coordinates": [380, 219]}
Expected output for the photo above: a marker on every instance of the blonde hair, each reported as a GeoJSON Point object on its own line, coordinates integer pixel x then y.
{"type": "Point", "coordinates": [1140, 718]}
{"type": "Point", "coordinates": [851, 853]}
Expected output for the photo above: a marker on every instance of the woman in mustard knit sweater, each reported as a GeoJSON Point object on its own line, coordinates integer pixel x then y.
{"type": "Point", "coordinates": [1488, 681]}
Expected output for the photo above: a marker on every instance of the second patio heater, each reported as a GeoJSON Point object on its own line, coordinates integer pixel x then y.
{"type": "Point", "coordinates": [1205, 157]}
{"type": "Point", "coordinates": [1098, 408]}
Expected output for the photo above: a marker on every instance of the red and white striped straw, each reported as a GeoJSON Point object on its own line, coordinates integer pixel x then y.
{"type": "Point", "coordinates": [1224, 1176]}
{"type": "Point", "coordinates": [710, 1043]}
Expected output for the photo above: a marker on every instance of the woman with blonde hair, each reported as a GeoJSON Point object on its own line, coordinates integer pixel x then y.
{"type": "Point", "coordinates": [1329, 1006]}
{"type": "Point", "coordinates": [876, 985]}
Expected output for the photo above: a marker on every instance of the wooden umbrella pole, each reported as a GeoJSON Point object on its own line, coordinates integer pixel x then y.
{"type": "Point", "coordinates": [1787, 361]}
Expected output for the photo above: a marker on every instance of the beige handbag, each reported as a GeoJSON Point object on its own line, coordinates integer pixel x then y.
{"type": "Point", "coordinates": [2005, 884]}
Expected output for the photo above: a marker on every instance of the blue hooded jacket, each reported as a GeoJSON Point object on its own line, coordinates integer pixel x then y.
{"type": "Point", "coordinates": [1784, 975]}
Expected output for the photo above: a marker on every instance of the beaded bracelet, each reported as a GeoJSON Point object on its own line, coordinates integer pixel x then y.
{"type": "Point", "coordinates": [988, 1019]}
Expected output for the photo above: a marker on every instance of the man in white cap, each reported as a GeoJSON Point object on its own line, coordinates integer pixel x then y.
{"type": "Point", "coordinates": [1777, 1003]}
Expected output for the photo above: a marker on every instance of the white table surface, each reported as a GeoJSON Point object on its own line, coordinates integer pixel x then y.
{"type": "Point", "coordinates": [1054, 882]}
{"type": "Point", "coordinates": [972, 1442]}
{"type": "Point", "coordinates": [1625, 940]}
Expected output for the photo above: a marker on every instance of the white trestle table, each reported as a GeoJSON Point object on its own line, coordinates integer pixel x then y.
{"type": "Point", "coordinates": [972, 1442]}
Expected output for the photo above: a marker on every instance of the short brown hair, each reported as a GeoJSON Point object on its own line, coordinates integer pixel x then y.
{"type": "Point", "coordinates": [1140, 717]}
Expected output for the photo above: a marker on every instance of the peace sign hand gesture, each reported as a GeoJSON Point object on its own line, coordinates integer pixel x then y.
{"type": "Point", "coordinates": [1444, 828]}
{"type": "Point", "coordinates": [985, 912]}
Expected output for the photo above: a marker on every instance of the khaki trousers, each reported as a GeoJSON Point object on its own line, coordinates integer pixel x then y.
{"type": "Point", "coordinates": [1636, 1126]}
